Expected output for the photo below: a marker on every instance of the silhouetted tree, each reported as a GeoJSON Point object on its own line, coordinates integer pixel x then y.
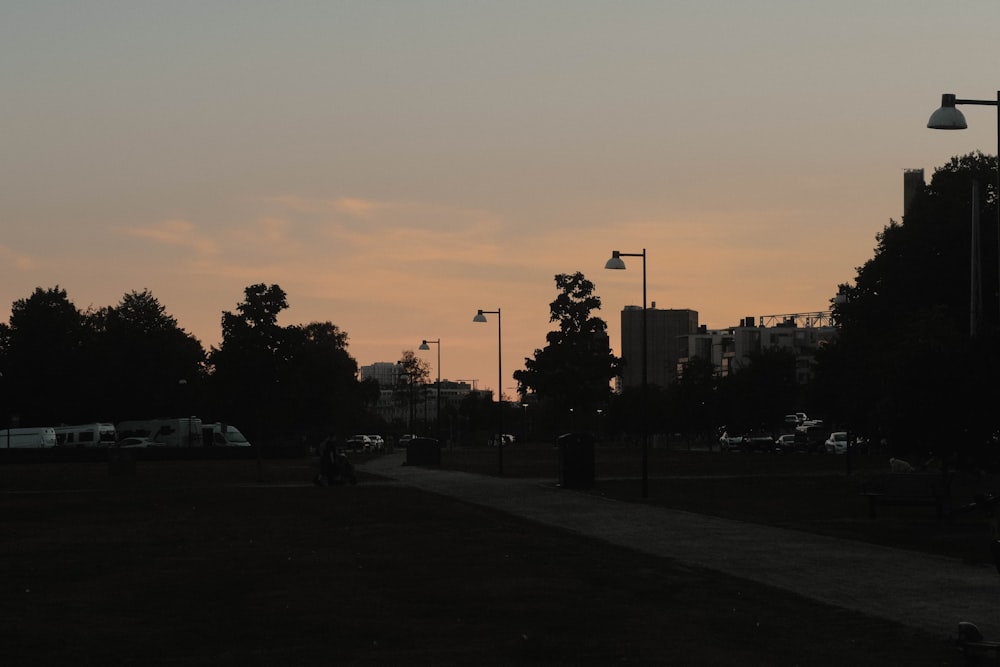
{"type": "Point", "coordinates": [575, 368]}
{"type": "Point", "coordinates": [692, 400]}
{"type": "Point", "coordinates": [142, 361]}
{"type": "Point", "coordinates": [758, 394]}
{"type": "Point", "coordinates": [627, 414]}
{"type": "Point", "coordinates": [295, 381]}
{"type": "Point", "coordinates": [907, 365]}
{"type": "Point", "coordinates": [477, 419]}
{"type": "Point", "coordinates": [411, 381]}
{"type": "Point", "coordinates": [318, 384]}
{"type": "Point", "coordinates": [245, 365]}
{"type": "Point", "coordinates": [42, 360]}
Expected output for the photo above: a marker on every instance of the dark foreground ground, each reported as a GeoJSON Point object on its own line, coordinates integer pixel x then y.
{"type": "Point", "coordinates": [198, 563]}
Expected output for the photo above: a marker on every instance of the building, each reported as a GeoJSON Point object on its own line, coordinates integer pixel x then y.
{"type": "Point", "coordinates": [731, 349]}
{"type": "Point", "coordinates": [913, 183]}
{"type": "Point", "coordinates": [675, 338]}
{"type": "Point", "coordinates": [666, 344]}
{"type": "Point", "coordinates": [418, 404]}
{"type": "Point", "coordinates": [386, 373]}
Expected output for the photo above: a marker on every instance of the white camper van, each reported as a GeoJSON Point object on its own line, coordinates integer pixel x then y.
{"type": "Point", "coordinates": [223, 435]}
{"type": "Point", "coordinates": [23, 438]}
{"type": "Point", "coordinates": [173, 432]}
{"type": "Point", "coordinates": [86, 435]}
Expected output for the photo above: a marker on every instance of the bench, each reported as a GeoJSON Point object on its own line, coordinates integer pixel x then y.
{"type": "Point", "coordinates": [907, 488]}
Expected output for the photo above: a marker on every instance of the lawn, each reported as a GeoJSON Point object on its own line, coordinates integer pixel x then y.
{"type": "Point", "coordinates": [812, 493]}
{"type": "Point", "coordinates": [199, 563]}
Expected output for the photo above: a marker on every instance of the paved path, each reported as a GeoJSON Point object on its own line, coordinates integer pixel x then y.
{"type": "Point", "coordinates": [925, 591]}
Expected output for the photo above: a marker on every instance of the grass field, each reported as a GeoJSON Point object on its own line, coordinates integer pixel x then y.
{"type": "Point", "coordinates": [801, 492]}
{"type": "Point", "coordinates": [199, 563]}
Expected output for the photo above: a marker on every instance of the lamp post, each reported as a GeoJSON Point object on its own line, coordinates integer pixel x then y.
{"type": "Point", "coordinates": [616, 262]}
{"type": "Point", "coordinates": [524, 421]}
{"type": "Point", "coordinates": [437, 415]}
{"type": "Point", "coordinates": [840, 299]}
{"type": "Point", "coordinates": [481, 317]}
{"type": "Point", "coordinates": [947, 117]}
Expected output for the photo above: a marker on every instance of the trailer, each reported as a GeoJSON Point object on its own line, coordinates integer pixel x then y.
{"type": "Point", "coordinates": [171, 432]}
{"type": "Point", "coordinates": [98, 434]}
{"type": "Point", "coordinates": [42, 437]}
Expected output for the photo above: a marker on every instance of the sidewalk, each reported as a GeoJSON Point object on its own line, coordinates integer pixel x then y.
{"type": "Point", "coordinates": [930, 592]}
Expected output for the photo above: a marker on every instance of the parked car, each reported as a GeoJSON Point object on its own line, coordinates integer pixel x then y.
{"type": "Point", "coordinates": [758, 442]}
{"type": "Point", "coordinates": [811, 438]}
{"type": "Point", "coordinates": [359, 443]}
{"type": "Point", "coordinates": [404, 439]}
{"type": "Point", "coordinates": [836, 443]}
{"type": "Point", "coordinates": [378, 443]}
{"type": "Point", "coordinates": [785, 443]}
{"type": "Point", "coordinates": [730, 443]}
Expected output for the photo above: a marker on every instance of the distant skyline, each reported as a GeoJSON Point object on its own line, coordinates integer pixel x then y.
{"type": "Point", "coordinates": [395, 166]}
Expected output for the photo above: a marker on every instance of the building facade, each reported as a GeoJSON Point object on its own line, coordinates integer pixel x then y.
{"type": "Point", "coordinates": [731, 349]}
{"type": "Point", "coordinates": [675, 338]}
{"type": "Point", "coordinates": [667, 334]}
{"type": "Point", "coordinates": [386, 373]}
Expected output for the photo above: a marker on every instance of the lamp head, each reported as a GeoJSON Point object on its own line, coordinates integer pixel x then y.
{"type": "Point", "coordinates": [424, 346]}
{"type": "Point", "coordinates": [947, 117]}
{"type": "Point", "coordinates": [616, 261]}
{"type": "Point", "coordinates": [479, 316]}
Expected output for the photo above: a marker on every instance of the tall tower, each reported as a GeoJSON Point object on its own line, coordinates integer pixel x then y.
{"type": "Point", "coordinates": [913, 182]}
{"type": "Point", "coordinates": [667, 341]}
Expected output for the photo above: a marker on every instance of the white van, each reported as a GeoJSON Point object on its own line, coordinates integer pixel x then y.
{"type": "Point", "coordinates": [174, 432]}
{"type": "Point", "coordinates": [23, 438]}
{"type": "Point", "coordinates": [86, 435]}
{"type": "Point", "coordinates": [223, 435]}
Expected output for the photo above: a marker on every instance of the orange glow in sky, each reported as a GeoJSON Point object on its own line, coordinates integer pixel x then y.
{"type": "Point", "coordinates": [395, 166]}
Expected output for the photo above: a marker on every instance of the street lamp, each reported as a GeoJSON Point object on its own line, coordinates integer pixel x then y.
{"type": "Point", "coordinates": [481, 317]}
{"type": "Point", "coordinates": [840, 299]}
{"type": "Point", "coordinates": [524, 421]}
{"type": "Point", "coordinates": [947, 117]}
{"type": "Point", "coordinates": [617, 263]}
{"type": "Point", "coordinates": [426, 346]}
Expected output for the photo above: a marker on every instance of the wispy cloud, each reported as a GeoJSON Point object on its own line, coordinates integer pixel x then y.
{"type": "Point", "coordinates": [11, 257]}
{"type": "Point", "coordinates": [178, 233]}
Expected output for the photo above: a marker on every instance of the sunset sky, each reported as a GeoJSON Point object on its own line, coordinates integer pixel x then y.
{"type": "Point", "coordinates": [395, 166]}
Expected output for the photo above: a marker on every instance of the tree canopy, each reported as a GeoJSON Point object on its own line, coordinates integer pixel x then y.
{"type": "Point", "coordinates": [281, 378]}
{"type": "Point", "coordinates": [909, 364]}
{"type": "Point", "coordinates": [575, 368]}
{"type": "Point", "coordinates": [62, 365]}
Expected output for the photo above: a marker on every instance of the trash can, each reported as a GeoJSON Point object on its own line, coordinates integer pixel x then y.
{"type": "Point", "coordinates": [576, 460]}
{"type": "Point", "coordinates": [423, 452]}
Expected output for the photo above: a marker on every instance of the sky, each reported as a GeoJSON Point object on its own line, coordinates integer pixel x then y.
{"type": "Point", "coordinates": [397, 165]}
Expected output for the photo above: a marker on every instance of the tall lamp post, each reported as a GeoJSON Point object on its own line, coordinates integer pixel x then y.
{"type": "Point", "coordinates": [840, 299]}
{"type": "Point", "coordinates": [481, 317]}
{"type": "Point", "coordinates": [426, 346]}
{"type": "Point", "coordinates": [947, 117]}
{"type": "Point", "coordinates": [616, 262]}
